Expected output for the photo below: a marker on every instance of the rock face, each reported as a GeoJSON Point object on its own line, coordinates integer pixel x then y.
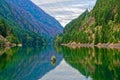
{"type": "Point", "coordinates": [30, 17]}
{"type": "Point", "coordinates": [4, 41]}
{"type": "Point", "coordinates": [2, 38]}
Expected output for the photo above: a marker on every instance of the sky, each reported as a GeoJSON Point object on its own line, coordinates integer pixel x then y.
{"type": "Point", "coordinates": [64, 72]}
{"type": "Point", "coordinates": [65, 10]}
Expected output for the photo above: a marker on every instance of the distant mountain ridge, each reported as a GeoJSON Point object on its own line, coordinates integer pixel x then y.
{"type": "Point", "coordinates": [30, 17]}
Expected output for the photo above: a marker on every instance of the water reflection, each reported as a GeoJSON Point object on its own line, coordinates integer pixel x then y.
{"type": "Point", "coordinates": [100, 64]}
{"type": "Point", "coordinates": [64, 72]}
{"type": "Point", "coordinates": [27, 63]}
{"type": "Point", "coordinates": [69, 64]}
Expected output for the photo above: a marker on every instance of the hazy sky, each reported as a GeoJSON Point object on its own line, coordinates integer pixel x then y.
{"type": "Point", "coordinates": [65, 10]}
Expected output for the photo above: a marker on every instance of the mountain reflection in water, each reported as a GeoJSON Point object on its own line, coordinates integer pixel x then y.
{"type": "Point", "coordinates": [99, 64]}
{"type": "Point", "coordinates": [64, 72]}
{"type": "Point", "coordinates": [70, 64]}
{"type": "Point", "coordinates": [27, 63]}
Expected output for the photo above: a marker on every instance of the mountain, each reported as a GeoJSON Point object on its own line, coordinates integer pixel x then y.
{"type": "Point", "coordinates": [30, 17]}
{"type": "Point", "coordinates": [11, 35]}
{"type": "Point", "coordinates": [100, 25]}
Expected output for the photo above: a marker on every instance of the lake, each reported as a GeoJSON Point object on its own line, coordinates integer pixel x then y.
{"type": "Point", "coordinates": [26, 63]}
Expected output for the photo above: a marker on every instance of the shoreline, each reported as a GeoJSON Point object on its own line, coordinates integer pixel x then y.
{"type": "Point", "coordinates": [4, 50]}
{"type": "Point", "coordinates": [92, 45]}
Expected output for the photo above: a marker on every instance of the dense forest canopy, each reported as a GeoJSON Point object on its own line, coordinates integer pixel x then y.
{"type": "Point", "coordinates": [14, 34]}
{"type": "Point", "coordinates": [100, 25]}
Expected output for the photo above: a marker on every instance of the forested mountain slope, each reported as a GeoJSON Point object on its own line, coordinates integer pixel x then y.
{"type": "Point", "coordinates": [100, 25]}
{"type": "Point", "coordinates": [30, 17]}
{"type": "Point", "coordinates": [12, 34]}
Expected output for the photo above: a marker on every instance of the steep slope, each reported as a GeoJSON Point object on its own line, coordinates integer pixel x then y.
{"type": "Point", "coordinates": [101, 25]}
{"type": "Point", "coordinates": [30, 17]}
{"type": "Point", "coordinates": [12, 34]}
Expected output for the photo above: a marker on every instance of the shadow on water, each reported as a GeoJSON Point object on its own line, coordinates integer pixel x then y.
{"type": "Point", "coordinates": [27, 63]}
{"type": "Point", "coordinates": [99, 64]}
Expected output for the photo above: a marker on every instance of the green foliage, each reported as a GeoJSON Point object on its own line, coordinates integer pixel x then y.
{"type": "Point", "coordinates": [71, 31]}
{"type": "Point", "coordinates": [58, 39]}
{"type": "Point", "coordinates": [14, 34]}
{"type": "Point", "coordinates": [101, 25]}
{"type": "Point", "coordinates": [2, 28]}
{"type": "Point", "coordinates": [96, 37]}
{"type": "Point", "coordinates": [76, 23]}
{"type": "Point", "coordinates": [99, 64]}
{"type": "Point", "coordinates": [2, 42]}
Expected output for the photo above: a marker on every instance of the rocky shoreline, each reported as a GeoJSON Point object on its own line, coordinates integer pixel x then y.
{"type": "Point", "coordinates": [5, 43]}
{"type": "Point", "coordinates": [92, 45]}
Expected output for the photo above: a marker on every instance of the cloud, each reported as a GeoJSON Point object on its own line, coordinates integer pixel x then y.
{"type": "Point", "coordinates": [65, 10]}
{"type": "Point", "coordinates": [41, 2]}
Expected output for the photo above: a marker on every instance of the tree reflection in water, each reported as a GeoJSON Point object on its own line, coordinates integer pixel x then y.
{"type": "Point", "coordinates": [100, 64]}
